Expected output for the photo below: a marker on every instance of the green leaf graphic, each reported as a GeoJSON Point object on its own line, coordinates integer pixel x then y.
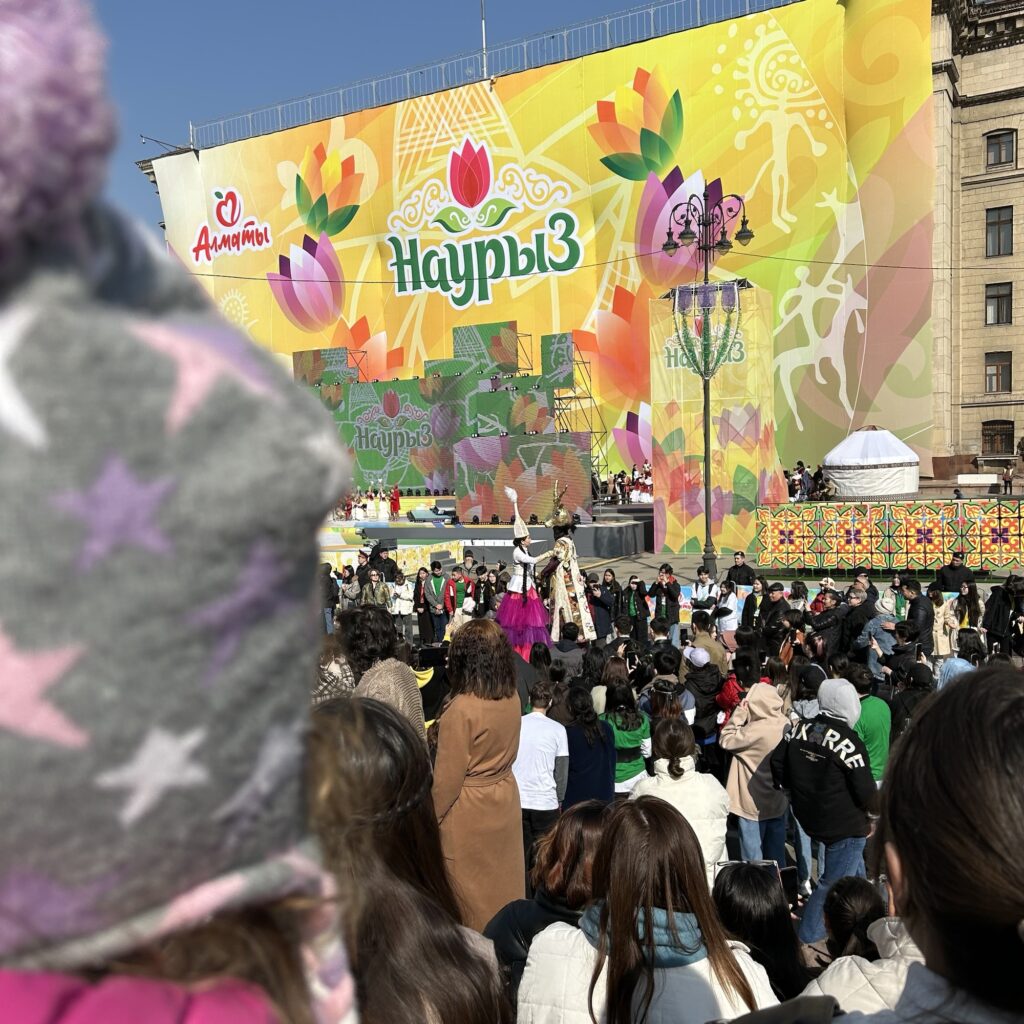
{"type": "Point", "coordinates": [744, 490]}
{"type": "Point", "coordinates": [218, 195]}
{"type": "Point", "coordinates": [627, 165]}
{"type": "Point", "coordinates": [303, 200]}
{"type": "Point", "coordinates": [672, 122]}
{"type": "Point", "coordinates": [494, 211]}
{"type": "Point", "coordinates": [655, 152]}
{"type": "Point", "coordinates": [453, 219]}
{"type": "Point", "coordinates": [318, 215]}
{"type": "Point", "coordinates": [340, 219]}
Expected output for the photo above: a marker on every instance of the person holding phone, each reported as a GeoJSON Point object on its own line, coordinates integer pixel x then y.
{"type": "Point", "coordinates": [634, 605]}
{"type": "Point", "coordinates": [666, 601]}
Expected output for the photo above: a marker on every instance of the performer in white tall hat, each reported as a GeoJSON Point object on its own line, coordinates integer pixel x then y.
{"type": "Point", "coordinates": [522, 613]}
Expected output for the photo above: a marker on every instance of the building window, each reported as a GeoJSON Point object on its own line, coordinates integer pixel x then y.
{"type": "Point", "coordinates": [998, 367]}
{"type": "Point", "coordinates": [1001, 149]}
{"type": "Point", "coordinates": [998, 304]}
{"type": "Point", "coordinates": [997, 437]}
{"type": "Point", "coordinates": [999, 231]}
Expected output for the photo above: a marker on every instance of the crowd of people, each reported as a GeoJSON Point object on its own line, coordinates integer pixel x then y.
{"type": "Point", "coordinates": [199, 828]}
{"type": "Point", "coordinates": [733, 784]}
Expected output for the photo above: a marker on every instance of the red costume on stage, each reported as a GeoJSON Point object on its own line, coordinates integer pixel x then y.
{"type": "Point", "coordinates": [396, 502]}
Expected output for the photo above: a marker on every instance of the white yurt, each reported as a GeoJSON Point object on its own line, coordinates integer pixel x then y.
{"type": "Point", "coordinates": [873, 463]}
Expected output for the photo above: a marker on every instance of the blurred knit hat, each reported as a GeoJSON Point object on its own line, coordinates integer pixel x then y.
{"type": "Point", "coordinates": [161, 486]}
{"type": "Point", "coordinates": [55, 119]}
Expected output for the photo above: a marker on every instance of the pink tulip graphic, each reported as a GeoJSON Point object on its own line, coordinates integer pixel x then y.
{"type": "Point", "coordinates": [310, 287]}
{"type": "Point", "coordinates": [653, 215]}
{"type": "Point", "coordinates": [469, 175]}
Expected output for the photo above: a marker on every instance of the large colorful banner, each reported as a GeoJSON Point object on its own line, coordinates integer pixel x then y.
{"type": "Point", "coordinates": [544, 198]}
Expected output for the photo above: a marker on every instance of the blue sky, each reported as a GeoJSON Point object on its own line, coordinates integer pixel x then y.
{"type": "Point", "coordinates": [197, 59]}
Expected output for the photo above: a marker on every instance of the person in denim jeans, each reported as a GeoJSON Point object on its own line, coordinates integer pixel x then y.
{"type": "Point", "coordinates": [824, 765]}
{"type": "Point", "coordinates": [878, 628]}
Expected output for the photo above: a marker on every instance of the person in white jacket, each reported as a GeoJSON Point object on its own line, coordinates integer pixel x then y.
{"type": "Point", "coordinates": [701, 799]}
{"type": "Point", "coordinates": [952, 828]}
{"type": "Point", "coordinates": [859, 984]}
{"type": "Point", "coordinates": [688, 971]}
{"type": "Point", "coordinates": [401, 606]}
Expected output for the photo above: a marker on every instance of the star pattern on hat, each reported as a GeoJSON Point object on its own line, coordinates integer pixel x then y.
{"type": "Point", "coordinates": [326, 449]}
{"type": "Point", "coordinates": [202, 357]}
{"type": "Point", "coordinates": [162, 763]}
{"type": "Point", "coordinates": [24, 679]}
{"type": "Point", "coordinates": [16, 416]}
{"type": "Point", "coordinates": [118, 509]}
{"type": "Point", "coordinates": [257, 594]}
{"type": "Point", "coordinates": [33, 905]}
{"type": "Point", "coordinates": [279, 755]}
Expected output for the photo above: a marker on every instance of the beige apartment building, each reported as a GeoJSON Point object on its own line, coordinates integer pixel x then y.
{"type": "Point", "coordinates": [978, 247]}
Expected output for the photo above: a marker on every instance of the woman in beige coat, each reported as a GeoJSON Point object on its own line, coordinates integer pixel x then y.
{"type": "Point", "coordinates": [751, 734]}
{"type": "Point", "coordinates": [476, 798]}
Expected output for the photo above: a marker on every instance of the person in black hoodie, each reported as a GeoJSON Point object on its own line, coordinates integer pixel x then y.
{"type": "Point", "coordinates": [666, 600]}
{"type": "Point", "coordinates": [949, 577]}
{"type": "Point", "coordinates": [921, 614]}
{"type": "Point", "coordinates": [825, 767]}
{"type": "Point", "coordinates": [1003, 608]}
{"type": "Point", "coordinates": [328, 596]}
{"type": "Point", "coordinates": [769, 615]}
{"type": "Point", "coordinates": [561, 881]}
{"type": "Point", "coordinates": [828, 624]}
{"type": "Point", "coordinates": [740, 574]}
{"type": "Point", "coordinates": [904, 652]}
{"type": "Point", "coordinates": [602, 608]}
{"type": "Point", "coordinates": [862, 611]}
{"type": "Point", "coordinates": [914, 682]}
{"type": "Point", "coordinates": [704, 681]}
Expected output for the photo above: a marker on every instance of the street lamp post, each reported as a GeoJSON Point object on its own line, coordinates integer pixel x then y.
{"type": "Point", "coordinates": [703, 225]}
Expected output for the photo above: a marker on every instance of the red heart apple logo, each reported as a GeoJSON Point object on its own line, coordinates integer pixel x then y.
{"type": "Point", "coordinates": [229, 208]}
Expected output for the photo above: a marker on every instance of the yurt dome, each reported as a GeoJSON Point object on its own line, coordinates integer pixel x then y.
{"type": "Point", "coordinates": [873, 463]}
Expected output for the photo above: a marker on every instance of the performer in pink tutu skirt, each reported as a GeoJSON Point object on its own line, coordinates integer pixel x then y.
{"type": "Point", "coordinates": [522, 613]}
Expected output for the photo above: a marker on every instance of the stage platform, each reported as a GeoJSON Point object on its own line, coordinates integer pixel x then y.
{"type": "Point", "coordinates": [421, 543]}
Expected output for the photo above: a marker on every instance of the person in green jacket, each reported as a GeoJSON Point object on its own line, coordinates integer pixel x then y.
{"type": "Point", "coordinates": [875, 723]}
{"type": "Point", "coordinates": [632, 731]}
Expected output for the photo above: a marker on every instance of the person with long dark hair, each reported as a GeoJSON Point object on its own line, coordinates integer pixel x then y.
{"type": "Point", "coordinates": [615, 588]}
{"type": "Point", "coordinates": [950, 832]}
{"type": "Point", "coordinates": [591, 752]}
{"type": "Point", "coordinates": [371, 808]}
{"type": "Point", "coordinates": [475, 794]}
{"type": "Point", "coordinates": [632, 730]}
{"type": "Point", "coordinates": [700, 798]}
{"type": "Point", "coordinates": [540, 661]}
{"type": "Point", "coordinates": [421, 607]}
{"type": "Point", "coordinates": [650, 947]}
{"type": "Point", "coordinates": [562, 876]}
{"type": "Point", "coordinates": [753, 601]}
{"type": "Point", "coordinates": [851, 907]}
{"type": "Point", "coordinates": [370, 645]}
{"type": "Point", "coordinates": [754, 910]}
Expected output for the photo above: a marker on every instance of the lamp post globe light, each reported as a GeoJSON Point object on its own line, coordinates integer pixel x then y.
{"type": "Point", "coordinates": [706, 315]}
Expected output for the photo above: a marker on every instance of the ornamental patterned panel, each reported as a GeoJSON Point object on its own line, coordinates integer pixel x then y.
{"type": "Point", "coordinates": [917, 535]}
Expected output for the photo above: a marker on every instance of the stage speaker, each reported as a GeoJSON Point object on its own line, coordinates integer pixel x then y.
{"type": "Point", "coordinates": [424, 515]}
